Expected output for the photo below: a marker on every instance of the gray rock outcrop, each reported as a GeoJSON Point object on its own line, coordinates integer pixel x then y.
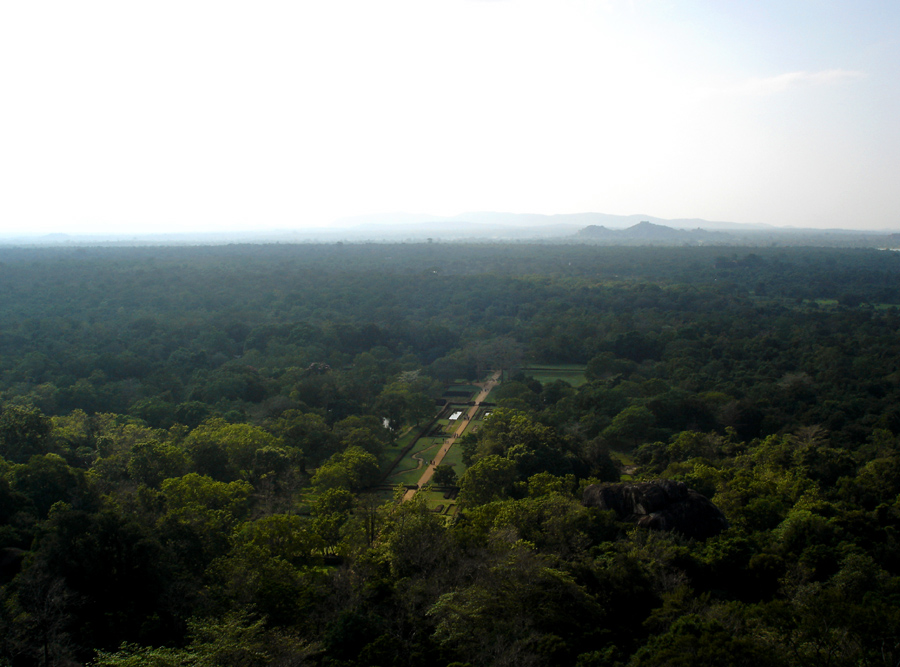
{"type": "Point", "coordinates": [661, 504]}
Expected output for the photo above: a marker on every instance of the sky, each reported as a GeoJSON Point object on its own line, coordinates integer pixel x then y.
{"type": "Point", "coordinates": [189, 115]}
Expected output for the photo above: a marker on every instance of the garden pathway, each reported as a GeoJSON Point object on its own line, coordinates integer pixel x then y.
{"type": "Point", "coordinates": [486, 387]}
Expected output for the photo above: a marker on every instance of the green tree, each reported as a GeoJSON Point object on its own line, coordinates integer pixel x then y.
{"type": "Point", "coordinates": [235, 640]}
{"type": "Point", "coordinates": [694, 641]}
{"type": "Point", "coordinates": [506, 428]}
{"type": "Point", "coordinates": [491, 478]}
{"type": "Point", "coordinates": [238, 442]}
{"type": "Point", "coordinates": [365, 439]}
{"type": "Point", "coordinates": [152, 462]}
{"type": "Point", "coordinates": [112, 575]}
{"type": "Point", "coordinates": [48, 479]}
{"type": "Point", "coordinates": [204, 509]}
{"type": "Point", "coordinates": [196, 491]}
{"type": "Point", "coordinates": [23, 433]}
{"type": "Point", "coordinates": [392, 405]}
{"type": "Point", "coordinates": [444, 475]}
{"type": "Point", "coordinates": [353, 469]}
{"type": "Point", "coordinates": [520, 610]}
{"type": "Point", "coordinates": [307, 432]}
{"type": "Point", "coordinates": [630, 427]}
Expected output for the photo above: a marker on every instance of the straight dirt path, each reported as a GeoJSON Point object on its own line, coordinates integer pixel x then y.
{"type": "Point", "coordinates": [448, 443]}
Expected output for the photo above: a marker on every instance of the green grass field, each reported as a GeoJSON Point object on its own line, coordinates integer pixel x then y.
{"type": "Point", "coordinates": [408, 470]}
{"type": "Point", "coordinates": [453, 457]}
{"type": "Point", "coordinates": [406, 478]}
{"type": "Point", "coordinates": [435, 498]}
{"type": "Point", "coordinates": [624, 460]}
{"type": "Point", "coordinates": [384, 494]}
{"type": "Point", "coordinates": [393, 451]}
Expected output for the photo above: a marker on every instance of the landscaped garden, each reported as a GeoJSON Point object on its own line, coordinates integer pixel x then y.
{"type": "Point", "coordinates": [410, 468]}
{"type": "Point", "coordinates": [441, 501]}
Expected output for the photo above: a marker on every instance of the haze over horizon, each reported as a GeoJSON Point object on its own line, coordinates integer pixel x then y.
{"type": "Point", "coordinates": [199, 116]}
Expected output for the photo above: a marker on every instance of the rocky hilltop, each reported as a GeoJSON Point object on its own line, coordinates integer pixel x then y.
{"type": "Point", "coordinates": [661, 504]}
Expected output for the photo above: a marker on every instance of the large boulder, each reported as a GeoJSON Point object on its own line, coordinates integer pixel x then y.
{"type": "Point", "coordinates": [661, 504]}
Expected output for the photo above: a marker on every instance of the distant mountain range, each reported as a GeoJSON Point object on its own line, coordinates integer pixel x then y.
{"type": "Point", "coordinates": [543, 224]}
{"type": "Point", "coordinates": [598, 228]}
{"type": "Point", "coordinates": [594, 228]}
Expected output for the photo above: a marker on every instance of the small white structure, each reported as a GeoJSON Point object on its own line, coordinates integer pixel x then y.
{"type": "Point", "coordinates": [456, 415]}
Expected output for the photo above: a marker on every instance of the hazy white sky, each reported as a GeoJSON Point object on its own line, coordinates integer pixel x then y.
{"type": "Point", "coordinates": [124, 116]}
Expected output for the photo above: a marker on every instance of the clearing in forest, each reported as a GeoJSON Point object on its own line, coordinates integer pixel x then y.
{"type": "Point", "coordinates": [457, 429]}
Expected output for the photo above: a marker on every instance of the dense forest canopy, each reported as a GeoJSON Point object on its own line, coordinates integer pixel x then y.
{"type": "Point", "coordinates": [193, 439]}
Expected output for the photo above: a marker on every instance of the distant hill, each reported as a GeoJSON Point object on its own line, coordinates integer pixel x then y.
{"type": "Point", "coordinates": [600, 219]}
{"type": "Point", "coordinates": [646, 232]}
{"type": "Point", "coordinates": [495, 226]}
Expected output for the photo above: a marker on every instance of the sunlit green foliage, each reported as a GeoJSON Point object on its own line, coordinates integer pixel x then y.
{"type": "Point", "coordinates": [194, 443]}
